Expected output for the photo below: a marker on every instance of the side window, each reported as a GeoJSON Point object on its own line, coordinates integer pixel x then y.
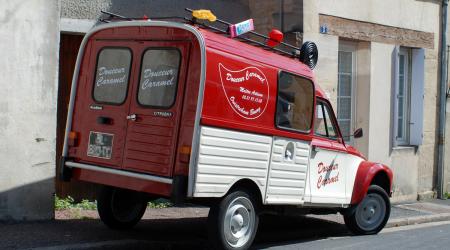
{"type": "Point", "coordinates": [159, 77]}
{"type": "Point", "coordinates": [112, 75]}
{"type": "Point", "coordinates": [295, 102]}
{"type": "Point", "coordinates": [323, 124]}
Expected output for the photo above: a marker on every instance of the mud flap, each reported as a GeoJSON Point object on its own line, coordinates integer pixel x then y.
{"type": "Point", "coordinates": [179, 189]}
{"type": "Point", "coordinates": [66, 173]}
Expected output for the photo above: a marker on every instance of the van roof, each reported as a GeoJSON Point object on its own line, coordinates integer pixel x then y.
{"type": "Point", "coordinates": [223, 42]}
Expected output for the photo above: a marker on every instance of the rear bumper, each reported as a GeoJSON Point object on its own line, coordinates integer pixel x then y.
{"type": "Point", "coordinates": [71, 164]}
{"type": "Point", "coordinates": [157, 185]}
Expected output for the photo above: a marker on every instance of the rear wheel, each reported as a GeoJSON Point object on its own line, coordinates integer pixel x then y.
{"type": "Point", "coordinates": [233, 222]}
{"type": "Point", "coordinates": [371, 214]}
{"type": "Point", "coordinates": [120, 208]}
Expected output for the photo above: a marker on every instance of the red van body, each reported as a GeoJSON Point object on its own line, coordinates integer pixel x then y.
{"type": "Point", "coordinates": [214, 130]}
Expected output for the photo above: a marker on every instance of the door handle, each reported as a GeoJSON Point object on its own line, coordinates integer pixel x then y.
{"type": "Point", "coordinates": [132, 117]}
{"type": "Point", "coordinates": [105, 120]}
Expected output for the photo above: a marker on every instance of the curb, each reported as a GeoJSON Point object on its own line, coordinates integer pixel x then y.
{"type": "Point", "coordinates": [417, 220]}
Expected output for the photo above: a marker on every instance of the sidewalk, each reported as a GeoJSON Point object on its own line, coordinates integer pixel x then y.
{"type": "Point", "coordinates": [419, 212]}
{"type": "Point", "coordinates": [185, 228]}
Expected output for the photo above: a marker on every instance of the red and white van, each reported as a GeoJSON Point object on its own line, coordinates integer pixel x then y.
{"type": "Point", "coordinates": [178, 110]}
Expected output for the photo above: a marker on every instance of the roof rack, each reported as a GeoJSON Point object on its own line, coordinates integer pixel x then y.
{"type": "Point", "coordinates": [307, 53]}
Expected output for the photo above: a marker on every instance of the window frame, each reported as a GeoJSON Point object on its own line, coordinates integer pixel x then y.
{"type": "Point", "coordinates": [313, 105]}
{"type": "Point", "coordinates": [129, 75]}
{"type": "Point", "coordinates": [405, 140]}
{"type": "Point", "coordinates": [140, 74]}
{"type": "Point", "coordinates": [326, 105]}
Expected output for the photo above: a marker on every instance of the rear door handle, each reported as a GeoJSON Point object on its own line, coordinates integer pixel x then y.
{"type": "Point", "coordinates": [105, 120]}
{"type": "Point", "coordinates": [132, 117]}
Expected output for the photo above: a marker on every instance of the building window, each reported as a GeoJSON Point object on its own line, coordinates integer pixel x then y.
{"type": "Point", "coordinates": [295, 103]}
{"type": "Point", "coordinates": [408, 91]}
{"type": "Point", "coordinates": [402, 97]}
{"type": "Point", "coordinates": [345, 92]}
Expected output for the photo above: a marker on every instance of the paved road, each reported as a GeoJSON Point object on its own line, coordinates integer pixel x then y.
{"type": "Point", "coordinates": [425, 236]}
{"type": "Point", "coordinates": [274, 233]}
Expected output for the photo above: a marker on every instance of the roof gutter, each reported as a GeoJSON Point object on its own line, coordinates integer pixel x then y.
{"type": "Point", "coordinates": [442, 102]}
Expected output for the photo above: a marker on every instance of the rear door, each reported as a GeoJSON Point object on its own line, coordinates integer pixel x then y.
{"type": "Point", "coordinates": [155, 108]}
{"type": "Point", "coordinates": [104, 103]}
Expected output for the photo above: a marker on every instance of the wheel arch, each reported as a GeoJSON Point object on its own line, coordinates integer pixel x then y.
{"type": "Point", "coordinates": [370, 173]}
{"type": "Point", "coordinates": [382, 180]}
{"type": "Point", "coordinates": [250, 186]}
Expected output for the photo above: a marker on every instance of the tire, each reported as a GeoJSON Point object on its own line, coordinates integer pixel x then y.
{"type": "Point", "coordinates": [232, 224]}
{"type": "Point", "coordinates": [371, 214]}
{"type": "Point", "coordinates": [120, 208]}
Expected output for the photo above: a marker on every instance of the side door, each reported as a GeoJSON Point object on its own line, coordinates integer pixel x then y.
{"type": "Point", "coordinates": [287, 178]}
{"type": "Point", "coordinates": [327, 174]}
{"type": "Point", "coordinates": [103, 103]}
{"type": "Point", "coordinates": [155, 108]}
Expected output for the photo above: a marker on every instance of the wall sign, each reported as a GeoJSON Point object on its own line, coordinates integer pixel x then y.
{"type": "Point", "coordinates": [246, 90]}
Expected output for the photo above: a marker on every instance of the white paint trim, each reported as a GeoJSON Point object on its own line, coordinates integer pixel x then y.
{"type": "Point", "coordinates": [79, 26]}
{"type": "Point", "coordinates": [119, 172]}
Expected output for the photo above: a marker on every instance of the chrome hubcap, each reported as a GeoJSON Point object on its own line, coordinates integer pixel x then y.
{"type": "Point", "coordinates": [239, 222]}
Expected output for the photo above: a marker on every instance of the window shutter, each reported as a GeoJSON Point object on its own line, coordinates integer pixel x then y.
{"type": "Point", "coordinates": [417, 95]}
{"type": "Point", "coordinates": [394, 100]}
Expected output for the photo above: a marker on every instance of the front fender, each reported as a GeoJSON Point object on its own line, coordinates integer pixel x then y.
{"type": "Point", "coordinates": [366, 172]}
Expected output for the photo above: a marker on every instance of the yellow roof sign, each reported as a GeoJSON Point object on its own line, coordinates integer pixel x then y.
{"type": "Point", "coordinates": [204, 14]}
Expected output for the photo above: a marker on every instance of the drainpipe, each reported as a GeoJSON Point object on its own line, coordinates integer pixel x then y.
{"type": "Point", "coordinates": [442, 102]}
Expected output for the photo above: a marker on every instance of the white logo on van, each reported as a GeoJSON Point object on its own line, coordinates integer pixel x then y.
{"type": "Point", "coordinates": [111, 76]}
{"type": "Point", "coordinates": [247, 90]}
{"type": "Point", "coordinates": [150, 82]}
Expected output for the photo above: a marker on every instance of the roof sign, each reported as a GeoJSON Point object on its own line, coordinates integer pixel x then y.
{"type": "Point", "coordinates": [204, 15]}
{"type": "Point", "coordinates": [241, 28]}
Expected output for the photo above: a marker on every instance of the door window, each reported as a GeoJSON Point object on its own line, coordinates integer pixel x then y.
{"type": "Point", "coordinates": [112, 75]}
{"type": "Point", "coordinates": [295, 102]}
{"type": "Point", "coordinates": [323, 125]}
{"type": "Point", "coordinates": [159, 77]}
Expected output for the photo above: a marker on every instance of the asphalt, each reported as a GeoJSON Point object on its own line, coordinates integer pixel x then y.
{"type": "Point", "coordinates": [423, 236]}
{"type": "Point", "coordinates": [185, 228]}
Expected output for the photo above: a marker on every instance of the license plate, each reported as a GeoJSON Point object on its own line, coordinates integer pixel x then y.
{"type": "Point", "coordinates": [100, 145]}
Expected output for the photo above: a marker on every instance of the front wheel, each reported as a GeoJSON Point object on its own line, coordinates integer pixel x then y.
{"type": "Point", "coordinates": [233, 222]}
{"type": "Point", "coordinates": [120, 208]}
{"type": "Point", "coordinates": [371, 214]}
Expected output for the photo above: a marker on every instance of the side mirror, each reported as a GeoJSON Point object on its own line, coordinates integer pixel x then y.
{"type": "Point", "coordinates": [358, 133]}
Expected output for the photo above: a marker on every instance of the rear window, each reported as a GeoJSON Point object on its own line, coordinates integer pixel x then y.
{"type": "Point", "coordinates": [112, 75]}
{"type": "Point", "coordinates": [159, 77]}
{"type": "Point", "coordinates": [295, 102]}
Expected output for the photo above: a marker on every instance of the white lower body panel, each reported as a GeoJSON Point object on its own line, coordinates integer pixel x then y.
{"type": "Point", "coordinates": [288, 172]}
{"type": "Point", "coordinates": [227, 156]}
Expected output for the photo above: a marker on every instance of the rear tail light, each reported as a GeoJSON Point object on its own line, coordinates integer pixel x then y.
{"type": "Point", "coordinates": [185, 153]}
{"type": "Point", "coordinates": [73, 139]}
